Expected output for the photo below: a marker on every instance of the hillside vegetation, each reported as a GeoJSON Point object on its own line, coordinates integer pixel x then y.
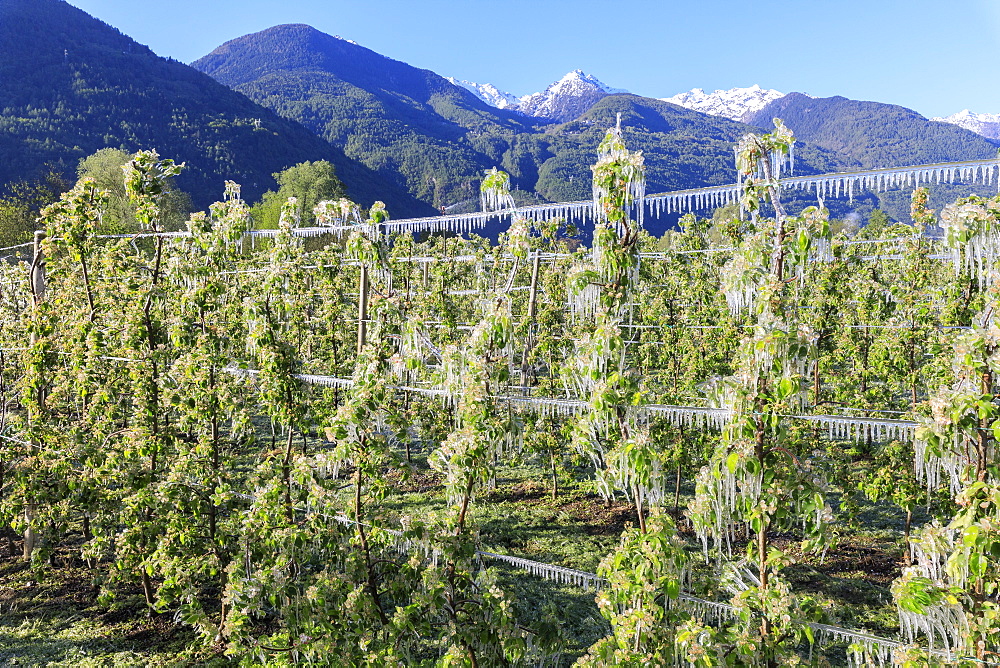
{"type": "Point", "coordinates": [71, 85]}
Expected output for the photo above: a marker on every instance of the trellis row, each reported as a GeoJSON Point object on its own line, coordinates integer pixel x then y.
{"type": "Point", "coordinates": [546, 256]}
{"type": "Point", "coordinates": [867, 649]}
{"type": "Point", "coordinates": [839, 427]}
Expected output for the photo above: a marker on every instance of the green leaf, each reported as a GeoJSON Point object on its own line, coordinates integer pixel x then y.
{"type": "Point", "coordinates": [732, 461]}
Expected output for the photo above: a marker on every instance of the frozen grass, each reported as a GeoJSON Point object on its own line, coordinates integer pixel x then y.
{"type": "Point", "coordinates": [49, 617]}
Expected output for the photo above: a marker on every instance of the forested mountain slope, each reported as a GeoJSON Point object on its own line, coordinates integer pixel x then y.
{"type": "Point", "coordinates": [873, 133]}
{"type": "Point", "coordinates": [436, 138]}
{"type": "Point", "coordinates": [70, 85]}
{"type": "Point", "coordinates": [411, 125]}
{"type": "Point", "coordinates": [682, 148]}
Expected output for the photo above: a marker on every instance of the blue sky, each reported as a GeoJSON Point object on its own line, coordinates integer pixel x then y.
{"type": "Point", "coordinates": [934, 56]}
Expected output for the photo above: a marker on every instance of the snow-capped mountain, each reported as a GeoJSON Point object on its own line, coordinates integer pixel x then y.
{"type": "Point", "coordinates": [488, 93]}
{"type": "Point", "coordinates": [562, 101]}
{"type": "Point", "coordinates": [567, 98]}
{"type": "Point", "coordinates": [987, 125]}
{"type": "Point", "coordinates": [735, 103]}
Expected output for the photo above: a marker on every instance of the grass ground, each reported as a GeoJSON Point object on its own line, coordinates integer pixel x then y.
{"type": "Point", "coordinates": [49, 616]}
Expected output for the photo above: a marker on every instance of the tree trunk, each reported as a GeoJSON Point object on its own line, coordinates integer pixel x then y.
{"type": "Point", "coordinates": [907, 557]}
{"type": "Point", "coordinates": [286, 476]}
{"type": "Point", "coordinates": [372, 578]}
{"type": "Point", "coordinates": [29, 531]}
{"type": "Point", "coordinates": [555, 476]}
{"type": "Point", "coordinates": [677, 490]}
{"type": "Point", "coordinates": [363, 308]}
{"type": "Point", "coordinates": [638, 511]}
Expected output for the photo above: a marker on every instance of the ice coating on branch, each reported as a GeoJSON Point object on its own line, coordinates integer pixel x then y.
{"type": "Point", "coordinates": [778, 351]}
{"type": "Point", "coordinates": [712, 511]}
{"type": "Point", "coordinates": [583, 290]}
{"type": "Point", "coordinates": [649, 479]}
{"type": "Point", "coordinates": [763, 157]}
{"type": "Point", "coordinates": [944, 443]}
{"type": "Point", "coordinates": [618, 173]}
{"type": "Point", "coordinates": [619, 186]}
{"type": "Point", "coordinates": [336, 213]}
{"type": "Point", "coordinates": [494, 192]}
{"type": "Point", "coordinates": [597, 355]}
{"type": "Point", "coordinates": [972, 231]}
{"type": "Point", "coordinates": [937, 467]}
{"type": "Point", "coordinates": [942, 621]}
{"type": "Point", "coordinates": [740, 279]}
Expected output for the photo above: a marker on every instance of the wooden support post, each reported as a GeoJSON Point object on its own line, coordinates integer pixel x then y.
{"type": "Point", "coordinates": [37, 279]}
{"type": "Point", "coordinates": [38, 269]}
{"type": "Point", "coordinates": [529, 343]}
{"type": "Point", "coordinates": [363, 308]}
{"type": "Point", "coordinates": [533, 293]}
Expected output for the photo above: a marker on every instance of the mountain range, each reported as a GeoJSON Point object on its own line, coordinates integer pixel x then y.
{"type": "Point", "coordinates": [987, 125]}
{"type": "Point", "coordinates": [738, 104]}
{"type": "Point", "coordinates": [735, 103]}
{"type": "Point", "coordinates": [71, 84]}
{"type": "Point", "coordinates": [436, 138]}
{"type": "Point", "coordinates": [434, 135]}
{"type": "Point", "coordinates": [562, 101]}
{"type": "Point", "coordinates": [410, 125]}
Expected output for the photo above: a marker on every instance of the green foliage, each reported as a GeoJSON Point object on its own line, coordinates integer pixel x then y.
{"type": "Point", "coordinates": [73, 85]}
{"type": "Point", "coordinates": [22, 203]}
{"type": "Point", "coordinates": [153, 369]}
{"type": "Point", "coordinates": [309, 183]}
{"type": "Point", "coordinates": [645, 574]}
{"type": "Point", "coordinates": [105, 168]}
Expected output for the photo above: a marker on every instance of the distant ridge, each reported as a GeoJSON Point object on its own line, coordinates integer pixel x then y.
{"type": "Point", "coordinates": [71, 85]}
{"type": "Point", "coordinates": [436, 137]}
{"type": "Point", "coordinates": [738, 104]}
{"type": "Point", "coordinates": [986, 125]}
{"type": "Point", "coordinates": [873, 133]}
{"type": "Point", "coordinates": [414, 127]}
{"type": "Point", "coordinates": [567, 98]}
{"type": "Point", "coordinates": [489, 94]}
{"type": "Point", "coordinates": [561, 101]}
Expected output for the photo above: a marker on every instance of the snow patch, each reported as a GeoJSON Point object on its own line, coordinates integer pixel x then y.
{"type": "Point", "coordinates": [563, 100]}
{"type": "Point", "coordinates": [736, 103]}
{"type": "Point", "coordinates": [488, 93]}
{"type": "Point", "coordinates": [567, 98]}
{"type": "Point", "coordinates": [987, 125]}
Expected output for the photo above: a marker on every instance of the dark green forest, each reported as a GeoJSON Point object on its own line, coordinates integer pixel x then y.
{"type": "Point", "coordinates": [71, 85]}
{"type": "Point", "coordinates": [873, 133]}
